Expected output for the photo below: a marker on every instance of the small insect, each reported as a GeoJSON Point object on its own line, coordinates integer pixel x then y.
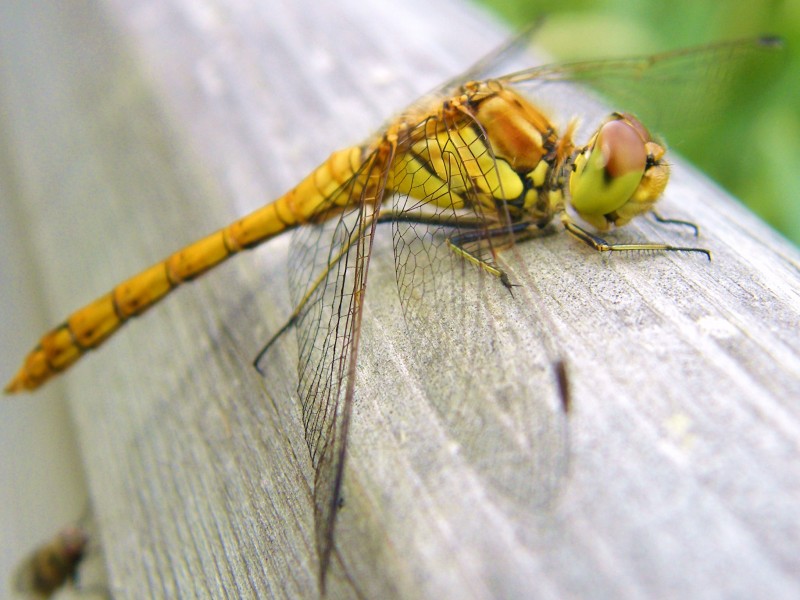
{"type": "Point", "coordinates": [54, 564]}
{"type": "Point", "coordinates": [464, 172]}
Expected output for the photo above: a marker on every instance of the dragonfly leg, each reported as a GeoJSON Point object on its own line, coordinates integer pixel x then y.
{"type": "Point", "coordinates": [460, 222]}
{"type": "Point", "coordinates": [284, 328]}
{"type": "Point", "coordinates": [457, 243]}
{"type": "Point", "coordinates": [476, 231]}
{"type": "Point", "coordinates": [602, 245]}
{"type": "Point", "coordinates": [667, 221]}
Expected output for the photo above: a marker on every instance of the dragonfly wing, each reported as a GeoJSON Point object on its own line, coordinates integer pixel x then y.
{"type": "Point", "coordinates": [509, 430]}
{"type": "Point", "coordinates": [512, 53]}
{"type": "Point", "coordinates": [661, 89]}
{"type": "Point", "coordinates": [491, 64]}
{"type": "Point", "coordinates": [328, 270]}
{"type": "Point", "coordinates": [663, 66]}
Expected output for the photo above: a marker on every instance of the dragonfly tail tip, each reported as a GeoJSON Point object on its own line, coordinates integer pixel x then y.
{"type": "Point", "coordinates": [12, 388]}
{"type": "Point", "coordinates": [20, 383]}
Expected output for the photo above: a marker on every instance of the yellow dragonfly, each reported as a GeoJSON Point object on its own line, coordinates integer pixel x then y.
{"type": "Point", "coordinates": [463, 172]}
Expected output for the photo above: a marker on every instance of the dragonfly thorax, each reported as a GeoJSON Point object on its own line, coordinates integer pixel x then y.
{"type": "Point", "coordinates": [528, 153]}
{"type": "Point", "coordinates": [618, 175]}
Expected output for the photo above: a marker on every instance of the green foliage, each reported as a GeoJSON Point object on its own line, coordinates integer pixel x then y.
{"type": "Point", "coordinates": [749, 144]}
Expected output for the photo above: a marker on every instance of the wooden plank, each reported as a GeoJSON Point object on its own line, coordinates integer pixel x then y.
{"type": "Point", "coordinates": [141, 125]}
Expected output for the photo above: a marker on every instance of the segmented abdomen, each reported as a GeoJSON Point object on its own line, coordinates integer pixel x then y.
{"type": "Point", "coordinates": [87, 328]}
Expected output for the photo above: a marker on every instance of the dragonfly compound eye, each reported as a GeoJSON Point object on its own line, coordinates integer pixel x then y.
{"type": "Point", "coordinates": [609, 172]}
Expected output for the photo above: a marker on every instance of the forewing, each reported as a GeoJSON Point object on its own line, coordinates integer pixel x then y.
{"type": "Point", "coordinates": [675, 91]}
{"type": "Point", "coordinates": [663, 67]}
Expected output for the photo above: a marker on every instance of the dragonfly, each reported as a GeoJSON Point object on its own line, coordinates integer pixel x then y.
{"type": "Point", "coordinates": [464, 173]}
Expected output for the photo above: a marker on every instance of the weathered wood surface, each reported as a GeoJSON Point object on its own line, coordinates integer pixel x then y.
{"type": "Point", "coordinates": [140, 125]}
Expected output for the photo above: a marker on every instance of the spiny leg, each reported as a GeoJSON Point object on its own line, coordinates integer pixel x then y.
{"type": "Point", "coordinates": [476, 231]}
{"type": "Point", "coordinates": [601, 245]}
{"type": "Point", "coordinates": [457, 243]}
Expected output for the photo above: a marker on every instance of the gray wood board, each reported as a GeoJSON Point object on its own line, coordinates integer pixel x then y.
{"type": "Point", "coordinates": [141, 125]}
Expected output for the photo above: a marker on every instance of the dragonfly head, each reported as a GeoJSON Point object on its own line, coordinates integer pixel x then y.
{"type": "Point", "coordinates": [619, 174]}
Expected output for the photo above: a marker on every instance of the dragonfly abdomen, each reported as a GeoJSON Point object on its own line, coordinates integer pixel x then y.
{"type": "Point", "coordinates": [316, 197]}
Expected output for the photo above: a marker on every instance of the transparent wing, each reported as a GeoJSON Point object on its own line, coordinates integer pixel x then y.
{"type": "Point", "coordinates": [442, 202]}
{"type": "Point", "coordinates": [462, 320]}
{"type": "Point", "coordinates": [328, 268]}
{"type": "Point", "coordinates": [674, 91]}
{"type": "Point", "coordinates": [487, 66]}
{"type": "Point", "coordinates": [663, 67]}
{"type": "Point", "coordinates": [492, 64]}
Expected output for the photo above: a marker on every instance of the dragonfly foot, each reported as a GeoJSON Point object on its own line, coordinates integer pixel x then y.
{"type": "Point", "coordinates": [668, 221]}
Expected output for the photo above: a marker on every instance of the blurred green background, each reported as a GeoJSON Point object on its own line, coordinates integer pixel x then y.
{"type": "Point", "coordinates": [751, 145]}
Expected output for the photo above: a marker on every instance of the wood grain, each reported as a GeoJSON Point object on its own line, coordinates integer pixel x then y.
{"type": "Point", "coordinates": [142, 125]}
